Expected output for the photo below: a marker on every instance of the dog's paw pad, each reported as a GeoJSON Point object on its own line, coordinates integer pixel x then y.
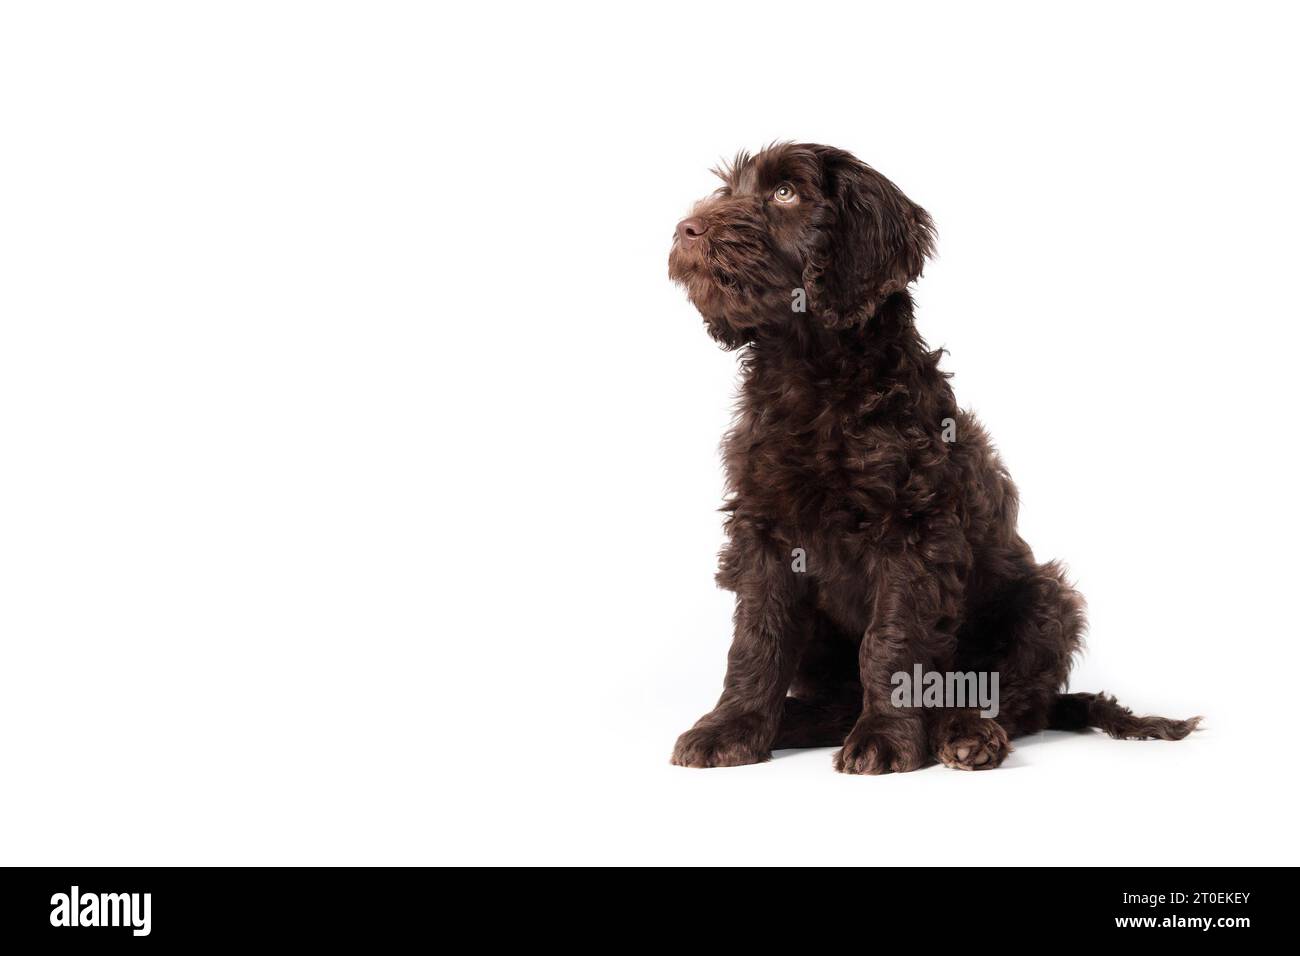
{"type": "Point", "coordinates": [981, 745]}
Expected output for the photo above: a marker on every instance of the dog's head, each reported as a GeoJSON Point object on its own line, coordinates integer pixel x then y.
{"type": "Point", "coordinates": [797, 233]}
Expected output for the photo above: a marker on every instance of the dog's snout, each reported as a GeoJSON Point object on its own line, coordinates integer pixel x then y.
{"type": "Point", "coordinates": [691, 229]}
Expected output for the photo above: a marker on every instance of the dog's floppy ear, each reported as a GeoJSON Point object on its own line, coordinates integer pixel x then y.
{"type": "Point", "coordinates": [868, 241]}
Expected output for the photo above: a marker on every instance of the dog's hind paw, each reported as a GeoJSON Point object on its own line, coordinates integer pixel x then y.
{"type": "Point", "coordinates": [974, 743]}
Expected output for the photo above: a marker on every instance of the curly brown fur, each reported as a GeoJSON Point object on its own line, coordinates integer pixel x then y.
{"type": "Point", "coordinates": [1080, 711]}
{"type": "Point", "coordinates": [849, 445]}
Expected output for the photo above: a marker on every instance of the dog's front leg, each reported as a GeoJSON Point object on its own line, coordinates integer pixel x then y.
{"type": "Point", "coordinates": [912, 612]}
{"type": "Point", "coordinates": [772, 622]}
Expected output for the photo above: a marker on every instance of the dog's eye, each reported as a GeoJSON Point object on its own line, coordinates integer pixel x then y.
{"type": "Point", "coordinates": [785, 193]}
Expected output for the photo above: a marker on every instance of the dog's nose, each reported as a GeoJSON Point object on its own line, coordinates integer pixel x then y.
{"type": "Point", "coordinates": [691, 229]}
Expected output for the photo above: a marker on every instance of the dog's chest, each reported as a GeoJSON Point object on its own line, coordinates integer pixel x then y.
{"type": "Point", "coordinates": [823, 473]}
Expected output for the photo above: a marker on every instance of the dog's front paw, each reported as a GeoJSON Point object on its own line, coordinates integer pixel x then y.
{"type": "Point", "coordinates": [974, 743]}
{"type": "Point", "coordinates": [877, 745]}
{"type": "Point", "coordinates": [722, 742]}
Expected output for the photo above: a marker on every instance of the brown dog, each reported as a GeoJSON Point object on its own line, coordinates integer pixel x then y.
{"type": "Point", "coordinates": [871, 526]}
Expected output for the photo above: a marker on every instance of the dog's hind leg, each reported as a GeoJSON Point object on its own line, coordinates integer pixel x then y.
{"type": "Point", "coordinates": [1027, 630]}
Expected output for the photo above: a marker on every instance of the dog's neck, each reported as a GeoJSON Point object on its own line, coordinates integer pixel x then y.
{"type": "Point", "coordinates": [808, 341]}
{"type": "Point", "coordinates": [884, 356]}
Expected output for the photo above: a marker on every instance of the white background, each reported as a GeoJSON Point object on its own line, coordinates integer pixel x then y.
{"type": "Point", "coordinates": [359, 460]}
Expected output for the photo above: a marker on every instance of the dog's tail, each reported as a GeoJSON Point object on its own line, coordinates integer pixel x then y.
{"type": "Point", "coordinates": [1079, 711]}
